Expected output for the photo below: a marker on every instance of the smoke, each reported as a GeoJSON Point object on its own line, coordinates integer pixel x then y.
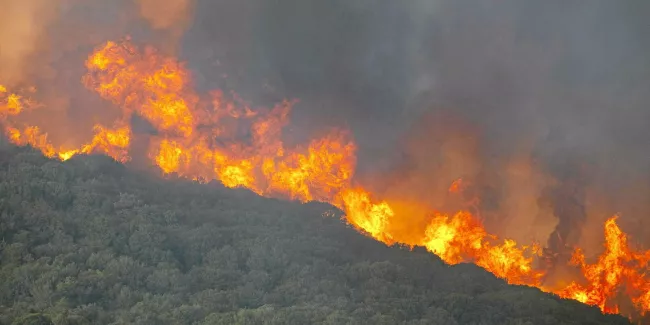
{"type": "Point", "coordinates": [35, 33]}
{"type": "Point", "coordinates": [44, 44]}
{"type": "Point", "coordinates": [22, 27]}
{"type": "Point", "coordinates": [553, 97]}
{"type": "Point", "coordinates": [172, 16]}
{"type": "Point", "coordinates": [167, 14]}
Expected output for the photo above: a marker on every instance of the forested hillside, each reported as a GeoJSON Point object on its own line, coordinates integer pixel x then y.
{"type": "Point", "coordinates": [90, 241]}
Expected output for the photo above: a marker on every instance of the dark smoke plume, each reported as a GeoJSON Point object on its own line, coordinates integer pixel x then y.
{"type": "Point", "coordinates": [564, 84]}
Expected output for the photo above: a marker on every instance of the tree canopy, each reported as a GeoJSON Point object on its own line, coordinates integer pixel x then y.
{"type": "Point", "coordinates": [91, 241]}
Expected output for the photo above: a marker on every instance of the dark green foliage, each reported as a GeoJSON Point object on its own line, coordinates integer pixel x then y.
{"type": "Point", "coordinates": [89, 241]}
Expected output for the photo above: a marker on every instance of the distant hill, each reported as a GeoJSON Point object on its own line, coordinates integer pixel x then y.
{"type": "Point", "coordinates": [89, 241]}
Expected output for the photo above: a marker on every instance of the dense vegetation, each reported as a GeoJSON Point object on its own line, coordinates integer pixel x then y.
{"type": "Point", "coordinates": [90, 241]}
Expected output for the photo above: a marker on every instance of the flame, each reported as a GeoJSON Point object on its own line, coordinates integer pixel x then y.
{"type": "Point", "coordinates": [32, 136]}
{"type": "Point", "coordinates": [11, 103]}
{"type": "Point", "coordinates": [220, 137]}
{"type": "Point", "coordinates": [372, 218]}
{"type": "Point", "coordinates": [462, 238]}
{"type": "Point", "coordinates": [620, 269]}
{"type": "Point", "coordinates": [112, 143]}
{"type": "Point", "coordinates": [147, 83]}
{"type": "Point", "coordinates": [322, 171]}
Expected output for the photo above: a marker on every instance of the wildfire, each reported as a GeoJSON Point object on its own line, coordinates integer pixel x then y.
{"type": "Point", "coordinates": [113, 143]}
{"type": "Point", "coordinates": [147, 83]}
{"type": "Point", "coordinates": [10, 103]}
{"type": "Point", "coordinates": [620, 269]}
{"type": "Point", "coordinates": [462, 238]}
{"type": "Point", "coordinates": [219, 137]}
{"type": "Point", "coordinates": [361, 211]}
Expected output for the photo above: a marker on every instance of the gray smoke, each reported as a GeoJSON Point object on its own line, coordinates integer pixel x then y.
{"type": "Point", "coordinates": [574, 73]}
{"type": "Point", "coordinates": [572, 78]}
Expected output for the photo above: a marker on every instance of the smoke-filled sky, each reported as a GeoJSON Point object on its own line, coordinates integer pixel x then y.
{"type": "Point", "coordinates": [572, 75]}
{"type": "Point", "coordinates": [514, 96]}
{"type": "Point", "coordinates": [524, 92]}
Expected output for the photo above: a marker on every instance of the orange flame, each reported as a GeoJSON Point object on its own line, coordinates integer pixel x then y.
{"type": "Point", "coordinates": [462, 238]}
{"type": "Point", "coordinates": [620, 269]}
{"type": "Point", "coordinates": [147, 83]}
{"type": "Point", "coordinates": [112, 143]}
{"type": "Point", "coordinates": [11, 103]}
{"type": "Point", "coordinates": [372, 218]}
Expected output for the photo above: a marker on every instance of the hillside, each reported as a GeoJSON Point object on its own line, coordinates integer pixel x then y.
{"type": "Point", "coordinates": [89, 241]}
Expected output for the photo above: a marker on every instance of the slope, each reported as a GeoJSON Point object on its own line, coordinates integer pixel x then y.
{"type": "Point", "coordinates": [90, 241]}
